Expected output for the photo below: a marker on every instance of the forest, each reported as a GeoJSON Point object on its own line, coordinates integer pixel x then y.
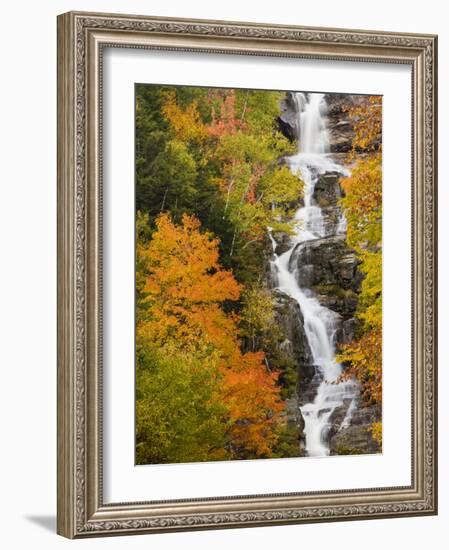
{"type": "Point", "coordinates": [214, 380]}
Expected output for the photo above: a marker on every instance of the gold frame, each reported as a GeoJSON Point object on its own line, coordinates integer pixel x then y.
{"type": "Point", "coordinates": [81, 38]}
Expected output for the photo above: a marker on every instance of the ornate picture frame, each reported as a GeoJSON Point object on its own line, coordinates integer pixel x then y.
{"type": "Point", "coordinates": [82, 38]}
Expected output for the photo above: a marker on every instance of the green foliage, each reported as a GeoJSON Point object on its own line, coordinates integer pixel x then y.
{"type": "Point", "coordinates": [177, 417]}
{"type": "Point", "coordinates": [257, 316]}
{"type": "Point", "coordinates": [172, 183]}
{"type": "Point", "coordinates": [287, 445]}
{"type": "Point", "coordinates": [262, 109]}
{"type": "Point", "coordinates": [261, 330]}
{"type": "Point", "coordinates": [281, 187]}
{"type": "Point", "coordinates": [151, 136]}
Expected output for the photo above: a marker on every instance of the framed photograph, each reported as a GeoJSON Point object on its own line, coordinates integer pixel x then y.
{"type": "Point", "coordinates": [246, 274]}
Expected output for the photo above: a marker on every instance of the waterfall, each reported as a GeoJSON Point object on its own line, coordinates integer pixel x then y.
{"type": "Point", "coordinates": [320, 323]}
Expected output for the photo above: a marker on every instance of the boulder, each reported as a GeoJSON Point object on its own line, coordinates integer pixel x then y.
{"type": "Point", "coordinates": [327, 261]}
{"type": "Point", "coordinates": [357, 437]}
{"type": "Point", "coordinates": [339, 300]}
{"type": "Point", "coordinates": [287, 121]}
{"type": "Point", "coordinates": [337, 417]}
{"type": "Point", "coordinates": [327, 190]}
{"type": "Point", "coordinates": [332, 220]}
{"type": "Point", "coordinates": [338, 124]}
{"type": "Point", "coordinates": [308, 384]}
{"type": "Point", "coordinates": [294, 413]}
{"type": "Point", "coordinates": [366, 415]}
{"type": "Point", "coordinates": [353, 440]}
{"type": "Point", "coordinates": [289, 316]}
{"type": "Point", "coordinates": [346, 333]}
{"type": "Point", "coordinates": [283, 242]}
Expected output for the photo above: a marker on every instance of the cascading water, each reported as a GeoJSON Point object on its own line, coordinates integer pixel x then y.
{"type": "Point", "coordinates": [320, 323]}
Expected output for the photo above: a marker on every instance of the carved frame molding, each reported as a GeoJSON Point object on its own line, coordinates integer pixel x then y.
{"type": "Point", "coordinates": [81, 39]}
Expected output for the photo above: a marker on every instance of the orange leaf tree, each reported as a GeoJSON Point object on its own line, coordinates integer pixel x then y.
{"type": "Point", "coordinates": [182, 297]}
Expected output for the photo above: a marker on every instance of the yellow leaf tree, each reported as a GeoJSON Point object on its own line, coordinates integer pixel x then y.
{"type": "Point", "coordinates": [362, 205]}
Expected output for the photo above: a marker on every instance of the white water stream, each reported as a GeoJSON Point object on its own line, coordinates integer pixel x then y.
{"type": "Point", "coordinates": [320, 323]}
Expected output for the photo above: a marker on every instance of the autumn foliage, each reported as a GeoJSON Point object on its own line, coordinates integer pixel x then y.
{"type": "Point", "coordinates": [212, 374]}
{"type": "Point", "coordinates": [363, 209]}
{"type": "Point", "coordinates": [207, 165]}
{"type": "Point", "coordinates": [181, 295]}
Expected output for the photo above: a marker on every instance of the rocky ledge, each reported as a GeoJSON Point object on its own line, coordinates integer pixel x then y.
{"type": "Point", "coordinates": [326, 261]}
{"type": "Point", "coordinates": [288, 314]}
{"type": "Point", "coordinates": [287, 121]}
{"type": "Point", "coordinates": [296, 348]}
{"type": "Point", "coordinates": [327, 190]}
{"type": "Point", "coordinates": [357, 437]}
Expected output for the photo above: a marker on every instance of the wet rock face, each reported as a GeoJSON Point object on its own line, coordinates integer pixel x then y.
{"type": "Point", "coordinates": [327, 191]}
{"type": "Point", "coordinates": [295, 422]}
{"type": "Point", "coordinates": [346, 333]}
{"type": "Point", "coordinates": [337, 417]}
{"type": "Point", "coordinates": [353, 440]}
{"type": "Point", "coordinates": [331, 219]}
{"type": "Point", "coordinates": [356, 438]}
{"type": "Point", "coordinates": [338, 124]}
{"type": "Point", "coordinates": [296, 349]}
{"type": "Point", "coordinates": [330, 270]}
{"type": "Point", "coordinates": [308, 385]}
{"type": "Point", "coordinates": [289, 316]}
{"type": "Point", "coordinates": [290, 319]}
{"type": "Point", "coordinates": [287, 122]}
{"type": "Point", "coordinates": [326, 264]}
{"type": "Point", "coordinates": [345, 304]}
{"type": "Point", "coordinates": [283, 242]}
